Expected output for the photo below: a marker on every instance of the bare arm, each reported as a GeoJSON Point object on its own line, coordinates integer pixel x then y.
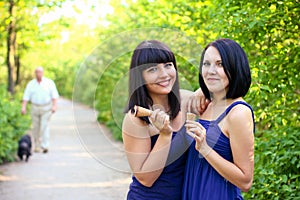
{"type": "Point", "coordinates": [54, 105]}
{"type": "Point", "coordinates": [185, 96]}
{"type": "Point", "coordinates": [26, 98]}
{"type": "Point", "coordinates": [24, 104]}
{"type": "Point", "coordinates": [240, 172]}
{"type": "Point", "coordinates": [146, 164]}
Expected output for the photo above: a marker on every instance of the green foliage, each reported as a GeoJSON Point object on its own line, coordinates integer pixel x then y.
{"type": "Point", "coordinates": [109, 102]}
{"type": "Point", "coordinates": [273, 45]}
{"type": "Point", "coordinates": [13, 125]}
{"type": "Point", "coordinates": [277, 163]}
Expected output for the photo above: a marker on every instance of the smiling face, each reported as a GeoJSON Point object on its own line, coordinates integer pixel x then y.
{"type": "Point", "coordinates": [153, 78]}
{"type": "Point", "coordinates": [213, 72]}
{"type": "Point", "coordinates": [160, 78]}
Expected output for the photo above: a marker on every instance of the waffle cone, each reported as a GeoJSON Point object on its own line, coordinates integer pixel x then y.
{"type": "Point", "coordinates": [141, 112]}
{"type": "Point", "coordinates": [191, 116]}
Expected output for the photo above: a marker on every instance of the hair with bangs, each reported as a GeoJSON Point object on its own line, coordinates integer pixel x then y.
{"type": "Point", "coordinates": [149, 53]}
{"type": "Point", "coordinates": [236, 67]}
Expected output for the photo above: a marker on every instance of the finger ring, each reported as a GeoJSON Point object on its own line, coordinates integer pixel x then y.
{"type": "Point", "coordinates": [194, 135]}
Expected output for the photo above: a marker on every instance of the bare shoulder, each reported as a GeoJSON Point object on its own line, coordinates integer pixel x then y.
{"type": "Point", "coordinates": [131, 120]}
{"type": "Point", "coordinates": [134, 126]}
{"type": "Point", "coordinates": [239, 112]}
{"type": "Point", "coordinates": [240, 118]}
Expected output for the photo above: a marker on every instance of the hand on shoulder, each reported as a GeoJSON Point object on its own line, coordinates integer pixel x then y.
{"type": "Point", "coordinates": [194, 102]}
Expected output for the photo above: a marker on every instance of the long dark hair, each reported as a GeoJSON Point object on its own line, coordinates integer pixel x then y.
{"type": "Point", "coordinates": [236, 67]}
{"type": "Point", "coordinates": [149, 53]}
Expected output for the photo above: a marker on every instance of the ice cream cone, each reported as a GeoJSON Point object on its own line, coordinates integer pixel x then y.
{"type": "Point", "coordinates": [141, 112]}
{"type": "Point", "coordinates": [191, 116]}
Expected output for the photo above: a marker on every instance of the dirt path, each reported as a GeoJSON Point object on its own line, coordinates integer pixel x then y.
{"type": "Point", "coordinates": [83, 162]}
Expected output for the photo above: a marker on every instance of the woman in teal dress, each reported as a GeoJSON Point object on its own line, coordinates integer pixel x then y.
{"type": "Point", "coordinates": [221, 159]}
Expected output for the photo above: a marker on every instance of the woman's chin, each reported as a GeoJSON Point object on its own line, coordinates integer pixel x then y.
{"type": "Point", "coordinates": [216, 89]}
{"type": "Point", "coordinates": [165, 92]}
{"type": "Point", "coordinates": [162, 92]}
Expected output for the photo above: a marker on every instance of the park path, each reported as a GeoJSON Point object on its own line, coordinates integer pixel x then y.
{"type": "Point", "coordinates": [83, 162]}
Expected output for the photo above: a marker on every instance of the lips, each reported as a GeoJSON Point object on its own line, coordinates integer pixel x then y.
{"type": "Point", "coordinates": [212, 79]}
{"type": "Point", "coordinates": [164, 83]}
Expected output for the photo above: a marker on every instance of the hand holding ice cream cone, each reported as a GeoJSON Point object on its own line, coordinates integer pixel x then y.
{"type": "Point", "coordinates": [158, 118]}
{"type": "Point", "coordinates": [144, 112]}
{"type": "Point", "coordinates": [190, 116]}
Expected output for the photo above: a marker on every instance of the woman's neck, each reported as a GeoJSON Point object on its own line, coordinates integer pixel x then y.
{"type": "Point", "coordinates": [219, 99]}
{"type": "Point", "coordinates": [162, 101]}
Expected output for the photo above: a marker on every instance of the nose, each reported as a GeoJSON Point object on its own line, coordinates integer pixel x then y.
{"type": "Point", "coordinates": [163, 72]}
{"type": "Point", "coordinates": [212, 69]}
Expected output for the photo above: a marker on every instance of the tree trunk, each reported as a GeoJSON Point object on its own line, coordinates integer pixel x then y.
{"type": "Point", "coordinates": [18, 65]}
{"type": "Point", "coordinates": [11, 50]}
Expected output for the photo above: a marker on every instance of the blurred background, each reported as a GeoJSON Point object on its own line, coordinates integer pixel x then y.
{"type": "Point", "coordinates": [64, 35]}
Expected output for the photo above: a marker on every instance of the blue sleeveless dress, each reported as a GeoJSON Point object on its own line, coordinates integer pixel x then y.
{"type": "Point", "coordinates": [168, 186]}
{"type": "Point", "coordinates": [201, 180]}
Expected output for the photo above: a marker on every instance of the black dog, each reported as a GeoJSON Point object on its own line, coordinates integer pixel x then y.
{"type": "Point", "coordinates": [24, 147]}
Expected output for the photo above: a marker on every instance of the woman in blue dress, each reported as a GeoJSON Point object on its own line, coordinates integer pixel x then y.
{"type": "Point", "coordinates": [221, 159]}
{"type": "Point", "coordinates": [155, 146]}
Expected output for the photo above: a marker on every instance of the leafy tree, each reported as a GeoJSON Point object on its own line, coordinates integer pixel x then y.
{"type": "Point", "coordinates": [19, 20]}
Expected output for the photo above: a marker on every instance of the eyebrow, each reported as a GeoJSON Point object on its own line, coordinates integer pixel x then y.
{"type": "Point", "coordinates": [209, 60]}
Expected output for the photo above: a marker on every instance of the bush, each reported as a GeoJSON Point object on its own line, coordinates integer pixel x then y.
{"type": "Point", "coordinates": [12, 126]}
{"type": "Point", "coordinates": [277, 164]}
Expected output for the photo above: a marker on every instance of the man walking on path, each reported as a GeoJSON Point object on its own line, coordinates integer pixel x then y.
{"type": "Point", "coordinates": [42, 94]}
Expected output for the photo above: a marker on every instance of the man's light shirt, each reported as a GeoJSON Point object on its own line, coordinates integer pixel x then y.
{"type": "Point", "coordinates": [40, 93]}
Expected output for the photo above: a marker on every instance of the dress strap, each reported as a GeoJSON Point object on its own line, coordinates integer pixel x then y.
{"type": "Point", "coordinates": [229, 109]}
